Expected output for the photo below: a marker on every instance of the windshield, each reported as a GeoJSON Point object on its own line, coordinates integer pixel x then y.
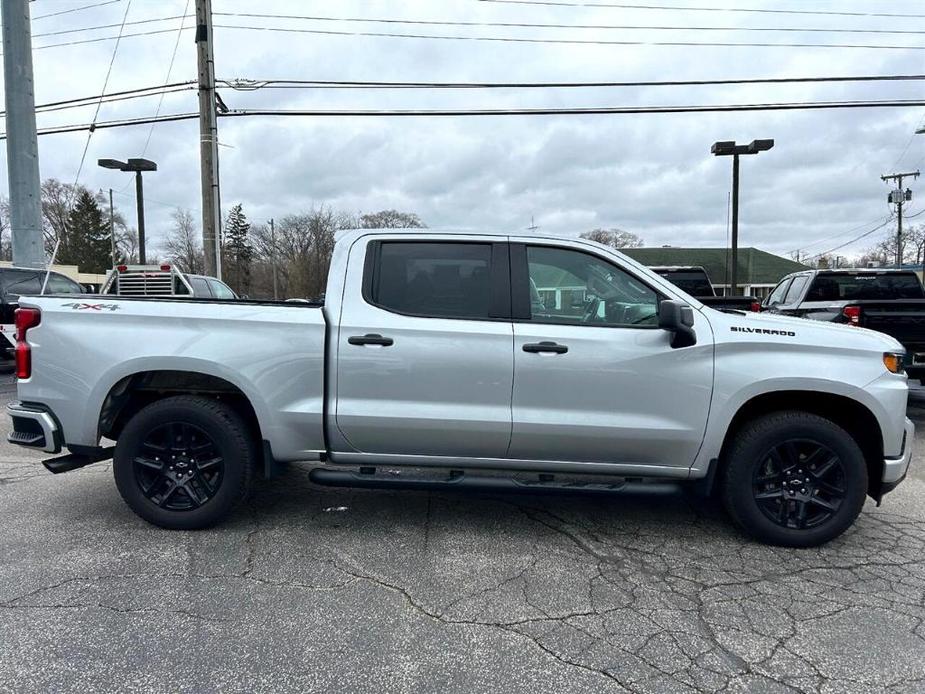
{"type": "Point", "coordinates": [865, 286]}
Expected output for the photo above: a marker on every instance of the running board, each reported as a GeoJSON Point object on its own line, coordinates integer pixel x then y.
{"type": "Point", "coordinates": [75, 461]}
{"type": "Point", "coordinates": [459, 480]}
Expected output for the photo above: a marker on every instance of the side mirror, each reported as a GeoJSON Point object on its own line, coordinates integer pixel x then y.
{"type": "Point", "coordinates": [677, 318]}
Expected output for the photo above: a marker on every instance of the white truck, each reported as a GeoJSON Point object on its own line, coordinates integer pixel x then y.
{"type": "Point", "coordinates": [444, 361]}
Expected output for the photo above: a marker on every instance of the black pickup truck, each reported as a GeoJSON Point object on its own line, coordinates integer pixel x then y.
{"type": "Point", "coordinates": [694, 280]}
{"type": "Point", "coordinates": [889, 301]}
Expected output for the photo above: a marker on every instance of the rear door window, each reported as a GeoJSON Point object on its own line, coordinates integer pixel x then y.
{"type": "Point", "coordinates": [777, 294]}
{"type": "Point", "coordinates": [220, 290]}
{"type": "Point", "coordinates": [796, 289]}
{"type": "Point", "coordinates": [59, 284]}
{"type": "Point", "coordinates": [433, 279]}
{"type": "Point", "coordinates": [200, 287]}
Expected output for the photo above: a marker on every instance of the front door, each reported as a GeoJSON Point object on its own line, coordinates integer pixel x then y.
{"type": "Point", "coordinates": [425, 357]}
{"type": "Point", "coordinates": [595, 378]}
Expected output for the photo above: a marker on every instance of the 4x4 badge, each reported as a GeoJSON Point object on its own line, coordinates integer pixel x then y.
{"type": "Point", "coordinates": [91, 307]}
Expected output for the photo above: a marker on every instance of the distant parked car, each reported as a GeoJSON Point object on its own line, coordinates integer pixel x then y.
{"type": "Point", "coordinates": [889, 301]}
{"type": "Point", "coordinates": [16, 281]}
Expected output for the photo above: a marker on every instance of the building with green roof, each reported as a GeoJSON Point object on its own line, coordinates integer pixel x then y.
{"type": "Point", "coordinates": [758, 271]}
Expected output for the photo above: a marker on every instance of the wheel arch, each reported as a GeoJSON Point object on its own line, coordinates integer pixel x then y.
{"type": "Point", "coordinates": [851, 415]}
{"type": "Point", "coordinates": [131, 393]}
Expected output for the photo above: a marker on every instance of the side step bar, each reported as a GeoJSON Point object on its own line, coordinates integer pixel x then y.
{"type": "Point", "coordinates": [73, 461]}
{"type": "Point", "coordinates": [459, 480]}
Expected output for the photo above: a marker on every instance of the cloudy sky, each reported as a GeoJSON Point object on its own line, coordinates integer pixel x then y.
{"type": "Point", "coordinates": [651, 174]}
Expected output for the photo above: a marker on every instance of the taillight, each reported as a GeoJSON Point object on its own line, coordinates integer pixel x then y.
{"type": "Point", "coordinates": [121, 268]}
{"type": "Point", "coordinates": [165, 268]}
{"type": "Point", "coordinates": [25, 318]}
{"type": "Point", "coordinates": [755, 306]}
{"type": "Point", "coordinates": [853, 314]}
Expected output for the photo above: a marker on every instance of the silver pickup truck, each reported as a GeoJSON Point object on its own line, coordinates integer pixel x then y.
{"type": "Point", "coordinates": [458, 360]}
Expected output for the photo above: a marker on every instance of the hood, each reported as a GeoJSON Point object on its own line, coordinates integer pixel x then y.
{"type": "Point", "coordinates": [806, 331]}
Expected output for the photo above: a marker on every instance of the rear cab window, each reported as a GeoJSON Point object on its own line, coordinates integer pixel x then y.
{"type": "Point", "coordinates": [865, 286]}
{"type": "Point", "coordinates": [694, 282]}
{"type": "Point", "coordinates": [439, 279]}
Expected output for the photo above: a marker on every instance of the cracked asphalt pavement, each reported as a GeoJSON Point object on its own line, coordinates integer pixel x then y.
{"type": "Point", "coordinates": [316, 589]}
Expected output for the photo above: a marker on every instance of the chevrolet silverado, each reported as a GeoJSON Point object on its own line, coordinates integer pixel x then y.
{"type": "Point", "coordinates": [444, 360]}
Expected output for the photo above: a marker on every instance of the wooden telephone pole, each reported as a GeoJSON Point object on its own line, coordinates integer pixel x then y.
{"type": "Point", "coordinates": [900, 199]}
{"type": "Point", "coordinates": [208, 142]}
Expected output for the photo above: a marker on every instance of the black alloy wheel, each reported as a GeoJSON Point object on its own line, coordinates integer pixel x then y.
{"type": "Point", "coordinates": [186, 461]}
{"type": "Point", "coordinates": [800, 484]}
{"type": "Point", "coordinates": [178, 466]}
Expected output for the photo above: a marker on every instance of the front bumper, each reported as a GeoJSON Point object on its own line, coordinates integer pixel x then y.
{"type": "Point", "coordinates": [34, 427]}
{"type": "Point", "coordinates": [895, 469]}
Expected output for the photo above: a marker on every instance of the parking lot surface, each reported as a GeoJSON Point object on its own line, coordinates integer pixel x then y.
{"type": "Point", "coordinates": [313, 589]}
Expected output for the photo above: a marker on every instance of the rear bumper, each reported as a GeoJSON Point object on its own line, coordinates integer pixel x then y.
{"type": "Point", "coordinates": [895, 469]}
{"type": "Point", "coordinates": [34, 427]}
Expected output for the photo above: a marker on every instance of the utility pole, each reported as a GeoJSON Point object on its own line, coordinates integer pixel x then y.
{"type": "Point", "coordinates": [140, 206]}
{"type": "Point", "coordinates": [22, 152]}
{"type": "Point", "coordinates": [208, 142]}
{"type": "Point", "coordinates": [273, 258]}
{"type": "Point", "coordinates": [899, 197]}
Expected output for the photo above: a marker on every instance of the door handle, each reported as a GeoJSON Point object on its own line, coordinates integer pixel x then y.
{"type": "Point", "coordinates": [541, 347]}
{"type": "Point", "coordinates": [371, 339]}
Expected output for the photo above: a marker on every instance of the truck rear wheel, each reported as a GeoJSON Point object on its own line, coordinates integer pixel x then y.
{"type": "Point", "coordinates": [184, 462]}
{"type": "Point", "coordinates": [794, 479]}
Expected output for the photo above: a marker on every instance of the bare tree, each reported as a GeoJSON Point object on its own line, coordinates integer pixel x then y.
{"type": "Point", "coordinates": [884, 252]}
{"type": "Point", "coordinates": [390, 219]}
{"type": "Point", "coordinates": [183, 245]}
{"type": "Point", "coordinates": [615, 238]}
{"type": "Point", "coordinates": [301, 249]}
{"type": "Point", "coordinates": [6, 236]}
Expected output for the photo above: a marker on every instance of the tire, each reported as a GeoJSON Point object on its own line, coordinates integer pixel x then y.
{"type": "Point", "coordinates": [185, 462]}
{"type": "Point", "coordinates": [794, 479]}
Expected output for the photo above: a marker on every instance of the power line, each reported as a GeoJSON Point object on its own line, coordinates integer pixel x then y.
{"type": "Point", "coordinates": [105, 38]}
{"type": "Point", "coordinates": [141, 93]}
{"type": "Point", "coordinates": [253, 84]}
{"type": "Point", "coordinates": [839, 234]}
{"type": "Point", "coordinates": [551, 111]}
{"type": "Point", "coordinates": [90, 130]}
{"type": "Point", "coordinates": [173, 58]}
{"type": "Point", "coordinates": [854, 240]}
{"type": "Point", "coordinates": [629, 6]}
{"type": "Point", "coordinates": [582, 42]}
{"type": "Point", "coordinates": [501, 39]}
{"type": "Point", "coordinates": [109, 26]}
{"type": "Point", "coordinates": [545, 25]}
{"type": "Point", "coordinates": [74, 9]}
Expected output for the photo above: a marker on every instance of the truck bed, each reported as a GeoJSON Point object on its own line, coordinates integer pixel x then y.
{"type": "Point", "coordinates": [273, 352]}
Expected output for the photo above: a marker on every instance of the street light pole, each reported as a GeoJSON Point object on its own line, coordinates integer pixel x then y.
{"type": "Point", "coordinates": [734, 277]}
{"type": "Point", "coordinates": [136, 166]}
{"type": "Point", "coordinates": [730, 148]}
{"type": "Point", "coordinates": [140, 204]}
{"type": "Point", "coordinates": [112, 230]}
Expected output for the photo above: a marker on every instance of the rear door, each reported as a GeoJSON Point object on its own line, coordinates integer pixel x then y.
{"type": "Point", "coordinates": [425, 355]}
{"type": "Point", "coordinates": [595, 379]}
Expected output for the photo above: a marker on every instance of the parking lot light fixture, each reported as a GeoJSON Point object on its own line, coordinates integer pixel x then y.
{"type": "Point", "coordinates": [137, 166]}
{"type": "Point", "coordinates": [727, 148]}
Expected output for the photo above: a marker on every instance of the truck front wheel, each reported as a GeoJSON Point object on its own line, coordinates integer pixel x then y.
{"type": "Point", "coordinates": [794, 479]}
{"type": "Point", "coordinates": [184, 462]}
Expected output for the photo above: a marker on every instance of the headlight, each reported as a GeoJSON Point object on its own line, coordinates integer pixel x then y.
{"type": "Point", "coordinates": [893, 361]}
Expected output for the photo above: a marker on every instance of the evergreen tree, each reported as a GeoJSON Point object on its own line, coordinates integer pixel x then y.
{"type": "Point", "coordinates": [89, 246]}
{"type": "Point", "coordinates": [237, 252]}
